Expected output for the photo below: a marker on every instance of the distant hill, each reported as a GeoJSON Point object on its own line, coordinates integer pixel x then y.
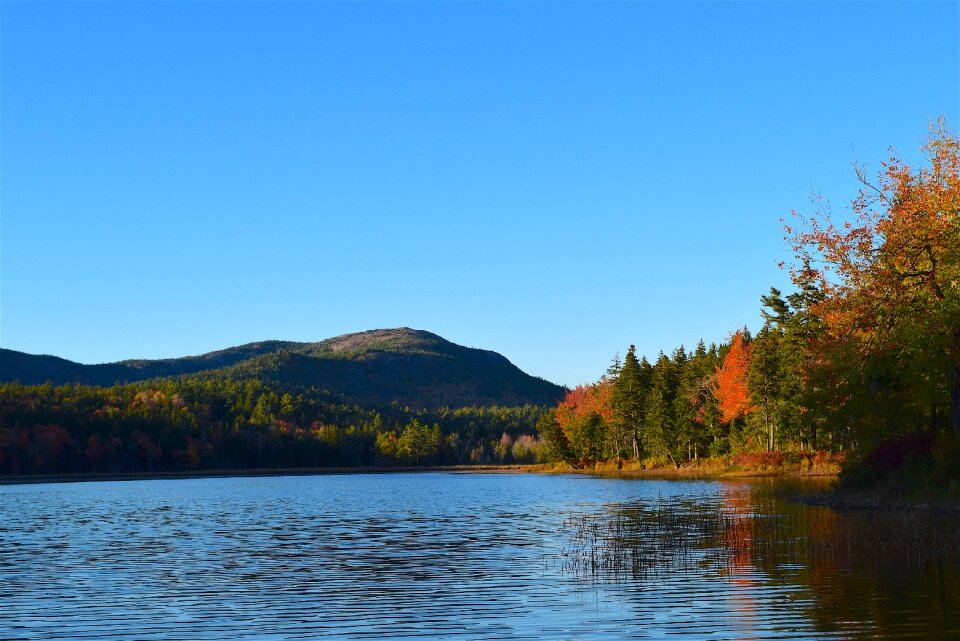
{"type": "Point", "coordinates": [411, 367]}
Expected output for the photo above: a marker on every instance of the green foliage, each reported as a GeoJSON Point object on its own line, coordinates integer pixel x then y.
{"type": "Point", "coordinates": [207, 423]}
{"type": "Point", "coordinates": [588, 440]}
{"type": "Point", "coordinates": [556, 446]}
{"type": "Point", "coordinates": [418, 443]}
{"type": "Point", "coordinates": [630, 384]}
{"type": "Point", "coordinates": [660, 420]}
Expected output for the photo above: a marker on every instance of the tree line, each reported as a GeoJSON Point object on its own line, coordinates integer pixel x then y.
{"type": "Point", "coordinates": [749, 394]}
{"type": "Point", "coordinates": [863, 357]}
{"type": "Point", "coordinates": [196, 424]}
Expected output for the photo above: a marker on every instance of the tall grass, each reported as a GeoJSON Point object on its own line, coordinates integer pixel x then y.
{"type": "Point", "coordinates": [727, 534]}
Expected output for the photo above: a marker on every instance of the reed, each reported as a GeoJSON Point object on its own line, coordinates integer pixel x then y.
{"type": "Point", "coordinates": [648, 539]}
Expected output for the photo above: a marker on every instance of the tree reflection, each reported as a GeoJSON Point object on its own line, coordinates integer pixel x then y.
{"type": "Point", "coordinates": [865, 574]}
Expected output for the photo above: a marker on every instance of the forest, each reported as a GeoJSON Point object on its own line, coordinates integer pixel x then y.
{"type": "Point", "coordinates": [860, 360]}
{"type": "Point", "coordinates": [195, 423]}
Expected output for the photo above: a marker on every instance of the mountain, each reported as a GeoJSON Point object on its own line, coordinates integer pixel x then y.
{"type": "Point", "coordinates": [408, 366]}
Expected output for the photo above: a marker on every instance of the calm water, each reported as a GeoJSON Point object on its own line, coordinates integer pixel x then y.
{"type": "Point", "coordinates": [463, 556]}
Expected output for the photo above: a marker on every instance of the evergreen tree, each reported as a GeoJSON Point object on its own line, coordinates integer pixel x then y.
{"type": "Point", "coordinates": [629, 398]}
{"type": "Point", "coordinates": [659, 409]}
{"type": "Point", "coordinates": [766, 363]}
{"type": "Point", "coordinates": [557, 446]}
{"type": "Point", "coordinates": [687, 427]}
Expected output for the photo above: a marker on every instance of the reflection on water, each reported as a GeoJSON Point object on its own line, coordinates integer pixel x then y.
{"type": "Point", "coordinates": [870, 574]}
{"type": "Point", "coordinates": [466, 556]}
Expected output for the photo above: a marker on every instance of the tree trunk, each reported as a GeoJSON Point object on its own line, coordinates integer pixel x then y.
{"type": "Point", "coordinates": [675, 464]}
{"type": "Point", "coordinates": [766, 417]}
{"type": "Point", "coordinates": [954, 375]}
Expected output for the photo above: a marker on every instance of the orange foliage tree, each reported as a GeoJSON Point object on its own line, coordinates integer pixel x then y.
{"type": "Point", "coordinates": [585, 415]}
{"type": "Point", "coordinates": [891, 276]}
{"type": "Point", "coordinates": [730, 383]}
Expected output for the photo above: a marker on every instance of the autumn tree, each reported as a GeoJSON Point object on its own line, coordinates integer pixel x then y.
{"type": "Point", "coordinates": [585, 416]}
{"type": "Point", "coordinates": [890, 279]}
{"type": "Point", "coordinates": [730, 386]}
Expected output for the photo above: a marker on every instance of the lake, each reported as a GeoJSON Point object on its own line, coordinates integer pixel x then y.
{"type": "Point", "coordinates": [465, 556]}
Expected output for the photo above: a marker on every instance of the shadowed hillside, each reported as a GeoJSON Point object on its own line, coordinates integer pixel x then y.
{"type": "Point", "coordinates": [411, 367]}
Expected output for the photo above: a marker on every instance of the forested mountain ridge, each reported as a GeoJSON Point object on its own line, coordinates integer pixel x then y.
{"type": "Point", "coordinates": [32, 369]}
{"type": "Point", "coordinates": [411, 367]}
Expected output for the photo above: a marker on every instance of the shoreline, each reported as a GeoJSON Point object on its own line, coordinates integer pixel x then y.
{"type": "Point", "coordinates": [691, 472]}
{"type": "Point", "coordinates": [880, 500]}
{"type": "Point", "coordinates": [82, 477]}
{"type": "Point", "coordinates": [836, 499]}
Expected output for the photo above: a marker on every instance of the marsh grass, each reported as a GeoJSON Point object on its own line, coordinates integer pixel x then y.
{"type": "Point", "coordinates": [729, 535]}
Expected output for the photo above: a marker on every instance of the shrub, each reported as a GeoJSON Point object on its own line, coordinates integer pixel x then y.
{"type": "Point", "coordinates": [902, 462]}
{"type": "Point", "coordinates": [759, 460]}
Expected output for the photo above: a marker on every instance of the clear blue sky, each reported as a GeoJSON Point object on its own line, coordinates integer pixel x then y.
{"type": "Point", "coordinates": [550, 181]}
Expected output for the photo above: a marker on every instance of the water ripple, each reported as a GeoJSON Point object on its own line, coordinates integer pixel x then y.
{"type": "Point", "coordinates": [423, 556]}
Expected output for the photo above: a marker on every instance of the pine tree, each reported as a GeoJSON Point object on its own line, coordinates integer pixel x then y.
{"type": "Point", "coordinates": [766, 363]}
{"type": "Point", "coordinates": [686, 426]}
{"type": "Point", "coordinates": [659, 415]}
{"type": "Point", "coordinates": [629, 397]}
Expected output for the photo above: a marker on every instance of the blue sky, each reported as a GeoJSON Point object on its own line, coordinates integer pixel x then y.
{"type": "Point", "coordinates": [550, 181]}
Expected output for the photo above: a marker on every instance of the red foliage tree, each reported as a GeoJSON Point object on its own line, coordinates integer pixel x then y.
{"type": "Point", "coordinates": [730, 382]}
{"type": "Point", "coordinates": [585, 400]}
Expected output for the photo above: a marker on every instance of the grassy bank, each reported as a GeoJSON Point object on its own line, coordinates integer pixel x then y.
{"type": "Point", "coordinates": [772, 464]}
{"type": "Point", "coordinates": [757, 466]}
